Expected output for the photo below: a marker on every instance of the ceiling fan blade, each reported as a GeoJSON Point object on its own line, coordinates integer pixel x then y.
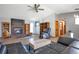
{"type": "Point", "coordinates": [40, 9]}
{"type": "Point", "coordinates": [35, 5]}
{"type": "Point", "coordinates": [38, 5]}
{"type": "Point", "coordinates": [30, 6]}
{"type": "Point", "coordinates": [35, 8]}
{"type": "Point", "coordinates": [76, 8]}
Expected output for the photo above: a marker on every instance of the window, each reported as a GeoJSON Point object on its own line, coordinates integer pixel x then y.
{"type": "Point", "coordinates": [31, 27]}
{"type": "Point", "coordinates": [77, 20]}
{"type": "Point", "coordinates": [71, 35]}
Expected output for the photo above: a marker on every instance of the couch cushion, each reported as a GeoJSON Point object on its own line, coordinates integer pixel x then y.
{"type": "Point", "coordinates": [65, 40]}
{"type": "Point", "coordinates": [70, 50]}
{"type": "Point", "coordinates": [57, 47]}
{"type": "Point", "coordinates": [45, 50]}
{"type": "Point", "coordinates": [75, 44]}
{"type": "Point", "coordinates": [0, 44]}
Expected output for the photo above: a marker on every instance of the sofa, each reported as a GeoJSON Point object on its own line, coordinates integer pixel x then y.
{"type": "Point", "coordinates": [65, 45]}
{"type": "Point", "coordinates": [71, 43]}
{"type": "Point", "coordinates": [66, 40]}
{"type": "Point", "coordinates": [3, 49]}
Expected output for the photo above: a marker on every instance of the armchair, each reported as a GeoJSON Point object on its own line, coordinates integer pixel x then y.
{"type": "Point", "coordinates": [46, 33]}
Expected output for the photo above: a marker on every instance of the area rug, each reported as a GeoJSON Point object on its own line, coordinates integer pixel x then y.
{"type": "Point", "coordinates": [15, 48]}
{"type": "Point", "coordinates": [43, 50]}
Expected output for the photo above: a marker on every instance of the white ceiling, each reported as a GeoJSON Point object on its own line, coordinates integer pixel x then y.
{"type": "Point", "coordinates": [16, 10]}
{"type": "Point", "coordinates": [62, 8]}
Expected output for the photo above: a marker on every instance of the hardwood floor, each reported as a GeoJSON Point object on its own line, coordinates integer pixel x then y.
{"type": "Point", "coordinates": [24, 40]}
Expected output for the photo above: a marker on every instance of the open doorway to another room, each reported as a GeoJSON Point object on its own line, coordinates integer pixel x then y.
{"type": "Point", "coordinates": [60, 28]}
{"type": "Point", "coordinates": [35, 27]}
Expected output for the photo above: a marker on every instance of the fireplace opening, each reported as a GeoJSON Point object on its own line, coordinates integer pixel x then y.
{"type": "Point", "coordinates": [18, 30]}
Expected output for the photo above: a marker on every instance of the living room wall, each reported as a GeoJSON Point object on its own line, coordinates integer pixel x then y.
{"type": "Point", "coordinates": [7, 19]}
{"type": "Point", "coordinates": [70, 22]}
{"type": "Point", "coordinates": [50, 19]}
{"type": "Point", "coordinates": [22, 12]}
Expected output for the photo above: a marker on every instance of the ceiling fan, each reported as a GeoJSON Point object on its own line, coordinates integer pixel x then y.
{"type": "Point", "coordinates": [77, 9]}
{"type": "Point", "coordinates": [36, 7]}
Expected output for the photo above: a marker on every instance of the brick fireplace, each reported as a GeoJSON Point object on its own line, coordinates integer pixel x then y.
{"type": "Point", "coordinates": [17, 27]}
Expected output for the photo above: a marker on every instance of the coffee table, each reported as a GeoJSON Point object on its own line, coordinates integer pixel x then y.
{"type": "Point", "coordinates": [35, 44]}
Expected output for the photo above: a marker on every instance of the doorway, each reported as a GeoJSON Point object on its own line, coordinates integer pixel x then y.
{"type": "Point", "coordinates": [56, 28]}
{"type": "Point", "coordinates": [60, 28]}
